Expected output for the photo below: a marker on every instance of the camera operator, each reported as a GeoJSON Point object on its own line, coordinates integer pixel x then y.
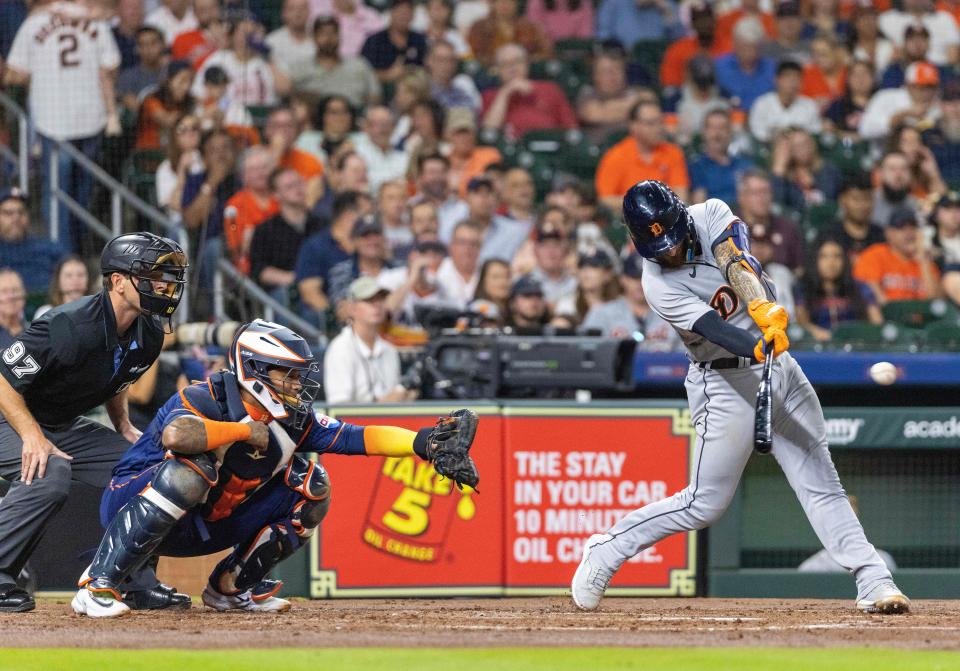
{"type": "Point", "coordinates": [359, 366]}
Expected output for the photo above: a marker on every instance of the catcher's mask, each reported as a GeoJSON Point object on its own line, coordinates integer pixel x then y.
{"type": "Point", "coordinates": [261, 348]}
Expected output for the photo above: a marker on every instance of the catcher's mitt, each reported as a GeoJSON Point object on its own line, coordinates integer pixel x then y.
{"type": "Point", "coordinates": [447, 446]}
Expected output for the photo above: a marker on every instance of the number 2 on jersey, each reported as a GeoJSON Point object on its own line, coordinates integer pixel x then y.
{"type": "Point", "coordinates": [13, 354]}
{"type": "Point", "coordinates": [69, 58]}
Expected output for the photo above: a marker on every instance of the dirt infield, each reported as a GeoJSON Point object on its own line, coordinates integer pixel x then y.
{"type": "Point", "coordinates": [501, 622]}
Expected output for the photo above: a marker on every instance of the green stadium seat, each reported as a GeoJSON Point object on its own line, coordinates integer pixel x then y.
{"type": "Point", "coordinates": [140, 173]}
{"type": "Point", "coordinates": [943, 335]}
{"type": "Point", "coordinates": [649, 53]}
{"type": "Point", "coordinates": [848, 157]}
{"type": "Point", "coordinates": [566, 150]}
{"type": "Point", "coordinates": [613, 139]}
{"type": "Point", "coordinates": [541, 170]}
{"type": "Point", "coordinates": [576, 52]}
{"type": "Point", "coordinates": [918, 314]}
{"type": "Point", "coordinates": [565, 75]}
{"type": "Point", "coordinates": [863, 335]}
{"type": "Point", "coordinates": [819, 218]}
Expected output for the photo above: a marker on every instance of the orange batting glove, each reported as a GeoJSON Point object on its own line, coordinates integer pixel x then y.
{"type": "Point", "coordinates": [777, 338]}
{"type": "Point", "coordinates": [768, 314]}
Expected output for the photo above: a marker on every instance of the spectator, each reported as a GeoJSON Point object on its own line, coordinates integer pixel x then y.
{"type": "Point", "coordinates": [494, 284]}
{"type": "Point", "coordinates": [134, 82]}
{"type": "Point", "coordinates": [321, 251]}
{"type": "Point", "coordinates": [422, 217]}
{"type": "Point", "coordinates": [13, 300]}
{"type": "Point", "coordinates": [504, 26]}
{"type": "Point", "coordinates": [446, 86]}
{"type": "Point", "coordinates": [54, 87]}
{"type": "Point", "coordinates": [391, 50]}
{"type": "Point", "coordinates": [253, 81]}
{"type": "Point", "coordinates": [927, 183]}
{"type": "Point", "coordinates": [715, 171]}
{"type": "Point", "coordinates": [943, 137]}
{"type": "Point", "coordinates": [755, 201]}
{"type": "Point", "coordinates": [391, 204]}
{"type": "Point", "coordinates": [551, 248]}
{"type": "Point", "coordinates": [867, 43]}
{"type": "Point", "coordinates": [218, 109]}
{"type": "Point", "coordinates": [331, 128]}
{"type": "Point", "coordinates": [249, 207]}
{"type": "Point", "coordinates": [643, 154]}
{"type": "Point", "coordinates": [502, 237]}
{"type": "Point", "coordinates": [359, 366]}
{"type": "Point", "coordinates": [292, 43]}
{"type": "Point", "coordinates": [369, 259]}
{"type": "Point", "coordinates": [439, 27]}
{"type": "Point", "coordinates": [944, 35]}
{"type": "Point", "coordinates": [281, 132]}
{"type": "Point", "coordinates": [673, 69]}
{"type": "Point", "coordinates": [384, 162]}
{"type": "Point", "coordinates": [467, 160]}
{"type": "Point", "coordinates": [196, 46]}
{"type": "Point", "coordinates": [69, 281]}
{"type": "Point", "coordinates": [824, 19]}
{"type": "Point", "coordinates": [825, 78]}
{"type": "Point", "coordinates": [893, 188]}
{"type": "Point", "coordinates": [629, 22]}
{"type": "Point", "coordinates": [789, 44]}
{"type": "Point", "coordinates": [699, 97]}
{"type": "Point", "coordinates": [916, 46]}
{"type": "Point", "coordinates": [183, 159]}
{"type": "Point", "coordinates": [914, 104]}
{"type": "Point", "coordinates": [629, 316]}
{"type": "Point", "coordinates": [829, 295]}
{"type": "Point", "coordinates": [517, 197]}
{"type": "Point", "coordinates": [356, 20]}
{"type": "Point", "coordinates": [528, 312]}
{"type": "Point", "coordinates": [843, 116]}
{"type": "Point", "coordinates": [411, 88]}
{"type": "Point", "coordinates": [784, 107]}
{"type": "Point", "coordinates": [426, 131]}
{"type": "Point", "coordinates": [900, 269]}
{"type": "Point", "coordinates": [763, 249]}
{"type": "Point", "coordinates": [728, 22]}
{"type": "Point", "coordinates": [276, 242]}
{"type": "Point", "coordinates": [604, 105]}
{"type": "Point", "coordinates": [160, 111]}
{"type": "Point", "coordinates": [417, 283]}
{"type": "Point", "coordinates": [744, 75]}
{"type": "Point", "coordinates": [854, 229]}
{"type": "Point", "coordinates": [171, 18]}
{"type": "Point", "coordinates": [33, 258]}
{"type": "Point", "coordinates": [205, 194]}
{"type": "Point", "coordinates": [129, 20]}
{"type": "Point", "coordinates": [520, 104]}
{"type": "Point", "coordinates": [459, 274]}
{"type": "Point", "coordinates": [801, 178]}
{"type": "Point", "coordinates": [945, 242]}
{"type": "Point", "coordinates": [562, 19]}
{"type": "Point", "coordinates": [596, 284]}
{"type": "Point", "coordinates": [433, 186]}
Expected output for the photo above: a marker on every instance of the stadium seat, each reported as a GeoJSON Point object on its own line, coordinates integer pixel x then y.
{"type": "Point", "coordinates": [541, 170]}
{"type": "Point", "coordinates": [943, 335]}
{"type": "Point", "coordinates": [918, 314]}
{"type": "Point", "coordinates": [863, 335]}
{"type": "Point", "coordinates": [649, 54]}
{"type": "Point", "coordinates": [259, 113]}
{"type": "Point", "coordinates": [566, 150]}
{"type": "Point", "coordinates": [819, 218]}
{"type": "Point", "coordinates": [565, 75]}
{"type": "Point", "coordinates": [140, 173]}
{"type": "Point", "coordinates": [848, 157]}
{"type": "Point", "coordinates": [575, 51]}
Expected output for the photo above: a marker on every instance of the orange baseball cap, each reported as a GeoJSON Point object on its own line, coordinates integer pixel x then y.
{"type": "Point", "coordinates": [922, 74]}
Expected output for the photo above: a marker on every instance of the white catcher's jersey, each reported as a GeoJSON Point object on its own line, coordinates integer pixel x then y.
{"type": "Point", "coordinates": [682, 295]}
{"type": "Point", "coordinates": [63, 53]}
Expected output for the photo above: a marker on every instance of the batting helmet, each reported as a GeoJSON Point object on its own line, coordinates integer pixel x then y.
{"type": "Point", "coordinates": [657, 219]}
{"type": "Point", "coordinates": [148, 258]}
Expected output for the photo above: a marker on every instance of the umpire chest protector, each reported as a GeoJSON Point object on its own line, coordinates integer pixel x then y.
{"type": "Point", "coordinates": [71, 359]}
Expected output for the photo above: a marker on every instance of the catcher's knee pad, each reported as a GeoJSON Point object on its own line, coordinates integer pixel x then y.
{"type": "Point", "coordinates": [184, 480]}
{"type": "Point", "coordinates": [310, 480]}
{"type": "Point", "coordinates": [252, 561]}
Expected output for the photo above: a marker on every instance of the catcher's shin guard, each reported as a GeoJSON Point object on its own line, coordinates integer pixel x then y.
{"type": "Point", "coordinates": [141, 525]}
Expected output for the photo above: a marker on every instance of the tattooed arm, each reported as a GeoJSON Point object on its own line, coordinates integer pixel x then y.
{"type": "Point", "coordinates": [190, 434]}
{"type": "Point", "coordinates": [742, 278]}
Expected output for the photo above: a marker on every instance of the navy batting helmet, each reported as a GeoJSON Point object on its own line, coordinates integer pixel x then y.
{"type": "Point", "coordinates": [657, 219]}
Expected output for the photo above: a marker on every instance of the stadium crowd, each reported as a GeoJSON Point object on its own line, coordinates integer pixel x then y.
{"type": "Point", "coordinates": [473, 154]}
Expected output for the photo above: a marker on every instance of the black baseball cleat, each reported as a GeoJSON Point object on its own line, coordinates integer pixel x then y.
{"type": "Point", "coordinates": [161, 597]}
{"type": "Point", "coordinates": [14, 599]}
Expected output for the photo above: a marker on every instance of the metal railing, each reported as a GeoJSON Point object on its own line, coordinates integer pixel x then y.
{"type": "Point", "coordinates": [121, 197]}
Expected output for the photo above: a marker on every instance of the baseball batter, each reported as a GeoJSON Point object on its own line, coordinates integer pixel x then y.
{"type": "Point", "coordinates": [699, 276]}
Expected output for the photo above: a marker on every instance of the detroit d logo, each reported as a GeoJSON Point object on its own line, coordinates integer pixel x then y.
{"type": "Point", "coordinates": [656, 228]}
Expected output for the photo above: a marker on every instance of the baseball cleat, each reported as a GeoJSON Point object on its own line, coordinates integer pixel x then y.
{"type": "Point", "coordinates": [591, 578]}
{"type": "Point", "coordinates": [160, 597]}
{"type": "Point", "coordinates": [254, 601]}
{"type": "Point", "coordinates": [15, 599]}
{"type": "Point", "coordinates": [885, 599]}
{"type": "Point", "coordinates": [94, 602]}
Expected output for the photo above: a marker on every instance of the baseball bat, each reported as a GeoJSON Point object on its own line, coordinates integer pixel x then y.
{"type": "Point", "coordinates": [763, 420]}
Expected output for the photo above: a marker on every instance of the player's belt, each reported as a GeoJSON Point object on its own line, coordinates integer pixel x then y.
{"type": "Point", "coordinates": [726, 363]}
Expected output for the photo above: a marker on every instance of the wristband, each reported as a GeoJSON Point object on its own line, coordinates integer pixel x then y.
{"type": "Point", "coordinates": [224, 433]}
{"type": "Point", "coordinates": [421, 444]}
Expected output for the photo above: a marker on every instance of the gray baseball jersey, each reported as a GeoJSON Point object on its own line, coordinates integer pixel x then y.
{"type": "Point", "coordinates": [682, 295]}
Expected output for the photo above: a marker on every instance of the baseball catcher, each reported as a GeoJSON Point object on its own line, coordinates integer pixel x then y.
{"type": "Point", "coordinates": [222, 465]}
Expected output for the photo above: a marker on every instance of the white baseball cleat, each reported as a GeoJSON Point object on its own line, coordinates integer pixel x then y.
{"type": "Point", "coordinates": [591, 578]}
{"type": "Point", "coordinates": [886, 599]}
{"type": "Point", "coordinates": [98, 604]}
{"type": "Point", "coordinates": [244, 601]}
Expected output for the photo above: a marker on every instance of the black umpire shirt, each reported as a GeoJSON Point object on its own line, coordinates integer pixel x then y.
{"type": "Point", "coordinates": [71, 360]}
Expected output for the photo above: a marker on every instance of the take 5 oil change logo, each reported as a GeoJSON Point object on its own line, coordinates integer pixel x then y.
{"type": "Point", "coordinates": [412, 508]}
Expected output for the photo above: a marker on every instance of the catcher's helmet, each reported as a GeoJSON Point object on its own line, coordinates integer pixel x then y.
{"type": "Point", "coordinates": [148, 258]}
{"type": "Point", "coordinates": [656, 218]}
{"type": "Point", "coordinates": [260, 346]}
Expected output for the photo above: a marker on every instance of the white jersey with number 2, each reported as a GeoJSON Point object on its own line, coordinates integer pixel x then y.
{"type": "Point", "coordinates": [682, 295]}
{"type": "Point", "coordinates": [63, 52]}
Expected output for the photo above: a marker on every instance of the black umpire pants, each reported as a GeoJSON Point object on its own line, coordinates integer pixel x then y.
{"type": "Point", "coordinates": [26, 509]}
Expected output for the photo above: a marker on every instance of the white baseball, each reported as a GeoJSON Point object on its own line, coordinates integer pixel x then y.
{"type": "Point", "coordinates": [883, 373]}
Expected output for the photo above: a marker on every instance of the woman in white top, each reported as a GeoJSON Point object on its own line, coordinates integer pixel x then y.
{"type": "Point", "coordinates": [252, 78]}
{"type": "Point", "coordinates": [69, 281]}
{"type": "Point", "coordinates": [183, 159]}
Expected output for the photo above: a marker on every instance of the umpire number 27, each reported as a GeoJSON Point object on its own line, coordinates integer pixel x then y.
{"type": "Point", "coordinates": [15, 353]}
